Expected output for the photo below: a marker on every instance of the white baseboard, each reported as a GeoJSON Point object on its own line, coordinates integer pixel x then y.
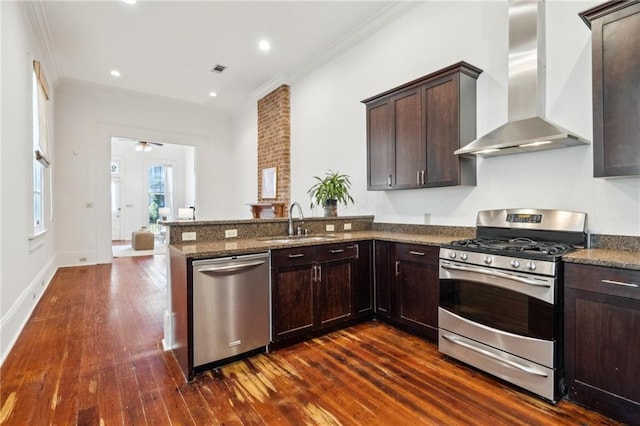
{"type": "Point", "coordinates": [14, 320]}
{"type": "Point", "coordinates": [77, 258]}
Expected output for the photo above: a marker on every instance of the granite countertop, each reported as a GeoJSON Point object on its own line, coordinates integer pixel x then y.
{"type": "Point", "coordinates": [231, 247]}
{"type": "Point", "coordinates": [605, 257]}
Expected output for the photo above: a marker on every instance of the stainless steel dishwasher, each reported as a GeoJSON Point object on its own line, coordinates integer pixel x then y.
{"type": "Point", "coordinates": [230, 306]}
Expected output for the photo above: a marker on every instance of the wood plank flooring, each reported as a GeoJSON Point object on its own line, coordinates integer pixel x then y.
{"type": "Point", "coordinates": [91, 354]}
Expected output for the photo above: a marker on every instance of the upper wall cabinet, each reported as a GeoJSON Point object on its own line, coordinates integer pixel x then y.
{"type": "Point", "coordinates": [413, 130]}
{"type": "Point", "coordinates": [615, 28]}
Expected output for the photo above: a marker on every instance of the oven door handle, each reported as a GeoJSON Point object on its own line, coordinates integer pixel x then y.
{"type": "Point", "coordinates": [495, 357]}
{"type": "Point", "coordinates": [494, 273]}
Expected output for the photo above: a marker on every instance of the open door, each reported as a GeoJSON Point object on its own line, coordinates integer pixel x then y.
{"type": "Point", "coordinates": [116, 210]}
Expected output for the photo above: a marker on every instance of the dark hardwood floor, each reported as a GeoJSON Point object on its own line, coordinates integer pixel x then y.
{"type": "Point", "coordinates": [91, 354]}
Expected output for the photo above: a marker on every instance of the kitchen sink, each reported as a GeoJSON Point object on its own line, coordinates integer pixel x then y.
{"type": "Point", "coordinates": [296, 238]}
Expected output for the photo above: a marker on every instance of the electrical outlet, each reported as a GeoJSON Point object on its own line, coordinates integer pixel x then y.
{"type": "Point", "coordinates": [347, 227]}
{"type": "Point", "coordinates": [330, 228]}
{"type": "Point", "coordinates": [83, 259]}
{"type": "Point", "coordinates": [427, 218]}
{"type": "Point", "coordinates": [230, 233]}
{"type": "Point", "coordinates": [188, 236]}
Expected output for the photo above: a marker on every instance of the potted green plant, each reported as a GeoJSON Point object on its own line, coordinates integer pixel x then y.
{"type": "Point", "coordinates": [329, 190]}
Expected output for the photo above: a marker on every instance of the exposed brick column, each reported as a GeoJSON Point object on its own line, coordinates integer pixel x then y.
{"type": "Point", "coordinates": [274, 141]}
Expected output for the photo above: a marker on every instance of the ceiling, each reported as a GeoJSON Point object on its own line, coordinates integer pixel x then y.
{"type": "Point", "coordinates": [168, 48]}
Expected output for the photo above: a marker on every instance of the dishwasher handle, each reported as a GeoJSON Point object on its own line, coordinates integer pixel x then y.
{"type": "Point", "coordinates": [231, 268]}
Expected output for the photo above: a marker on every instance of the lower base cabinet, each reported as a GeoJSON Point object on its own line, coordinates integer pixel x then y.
{"type": "Point", "coordinates": [416, 289]}
{"type": "Point", "coordinates": [319, 288]}
{"type": "Point", "coordinates": [408, 287]}
{"type": "Point", "coordinates": [383, 278]}
{"type": "Point", "coordinates": [602, 339]}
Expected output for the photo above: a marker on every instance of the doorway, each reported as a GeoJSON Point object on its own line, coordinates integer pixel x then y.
{"type": "Point", "coordinates": [162, 176]}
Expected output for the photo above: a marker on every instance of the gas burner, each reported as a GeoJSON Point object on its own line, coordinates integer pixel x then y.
{"type": "Point", "coordinates": [520, 245]}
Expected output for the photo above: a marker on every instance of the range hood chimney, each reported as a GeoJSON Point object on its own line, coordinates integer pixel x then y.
{"type": "Point", "coordinates": [526, 129]}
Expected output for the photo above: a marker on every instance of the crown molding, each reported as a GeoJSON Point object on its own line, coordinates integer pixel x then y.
{"type": "Point", "coordinates": [269, 86]}
{"type": "Point", "coordinates": [382, 18]}
{"type": "Point", "coordinates": [360, 33]}
{"type": "Point", "coordinates": [40, 27]}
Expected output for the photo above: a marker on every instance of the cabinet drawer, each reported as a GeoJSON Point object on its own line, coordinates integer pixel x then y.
{"type": "Point", "coordinates": [336, 252]}
{"type": "Point", "coordinates": [417, 253]}
{"type": "Point", "coordinates": [601, 279]}
{"type": "Point", "coordinates": [293, 256]}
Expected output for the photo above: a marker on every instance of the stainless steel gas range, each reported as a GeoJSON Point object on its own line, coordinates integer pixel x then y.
{"type": "Point", "coordinates": [501, 296]}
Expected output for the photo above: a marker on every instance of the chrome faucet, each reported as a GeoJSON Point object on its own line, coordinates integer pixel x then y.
{"type": "Point", "coordinates": [291, 232]}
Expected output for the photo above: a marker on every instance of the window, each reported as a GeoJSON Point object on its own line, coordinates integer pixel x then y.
{"type": "Point", "coordinates": [40, 145]}
{"type": "Point", "coordinates": [160, 191]}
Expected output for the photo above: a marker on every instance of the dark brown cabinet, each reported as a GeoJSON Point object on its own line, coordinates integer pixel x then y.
{"type": "Point", "coordinates": [293, 296]}
{"type": "Point", "coordinates": [319, 287]}
{"type": "Point", "coordinates": [602, 339]}
{"type": "Point", "coordinates": [413, 130]}
{"type": "Point", "coordinates": [383, 279]}
{"type": "Point", "coordinates": [416, 289]}
{"type": "Point", "coordinates": [334, 284]}
{"type": "Point", "coordinates": [615, 28]}
{"type": "Point", "coordinates": [363, 284]}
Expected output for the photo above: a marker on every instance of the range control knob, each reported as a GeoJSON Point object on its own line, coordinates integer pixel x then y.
{"type": "Point", "coordinates": [452, 254]}
{"type": "Point", "coordinates": [531, 266]}
{"type": "Point", "coordinates": [488, 260]}
{"type": "Point", "coordinates": [515, 263]}
{"type": "Point", "coordinates": [464, 256]}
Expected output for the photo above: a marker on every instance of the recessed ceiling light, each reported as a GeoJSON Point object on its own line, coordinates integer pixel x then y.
{"type": "Point", "coordinates": [129, 1]}
{"type": "Point", "coordinates": [264, 45]}
{"type": "Point", "coordinates": [116, 73]}
{"type": "Point", "coordinates": [213, 94]}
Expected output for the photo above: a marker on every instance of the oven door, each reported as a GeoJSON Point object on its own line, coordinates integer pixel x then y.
{"type": "Point", "coordinates": [514, 303]}
{"type": "Point", "coordinates": [500, 309]}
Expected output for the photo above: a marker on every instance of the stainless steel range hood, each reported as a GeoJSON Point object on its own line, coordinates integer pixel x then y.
{"type": "Point", "coordinates": [527, 129]}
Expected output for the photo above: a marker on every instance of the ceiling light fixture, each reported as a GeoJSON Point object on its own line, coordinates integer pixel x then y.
{"type": "Point", "coordinates": [129, 1]}
{"type": "Point", "coordinates": [115, 73]}
{"type": "Point", "coordinates": [264, 45]}
{"type": "Point", "coordinates": [143, 146]}
{"type": "Point", "coordinates": [213, 94]}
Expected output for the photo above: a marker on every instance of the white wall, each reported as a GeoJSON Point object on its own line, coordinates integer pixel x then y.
{"type": "Point", "coordinates": [245, 158]}
{"type": "Point", "coordinates": [328, 121]}
{"type": "Point", "coordinates": [26, 265]}
{"type": "Point", "coordinates": [133, 178]}
{"type": "Point", "coordinates": [86, 120]}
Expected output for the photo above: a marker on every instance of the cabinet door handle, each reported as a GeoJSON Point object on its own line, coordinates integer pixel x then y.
{"type": "Point", "coordinates": [357, 246]}
{"type": "Point", "coordinates": [416, 253]}
{"type": "Point", "coordinates": [315, 274]}
{"type": "Point", "coordinates": [418, 177]}
{"type": "Point", "coordinates": [422, 178]}
{"type": "Point", "coordinates": [336, 251]}
{"type": "Point", "coordinates": [620, 283]}
{"type": "Point", "coordinates": [293, 256]}
{"type": "Point", "coordinates": [397, 268]}
{"type": "Point", "coordinates": [389, 180]}
{"type": "Point", "coordinates": [319, 273]}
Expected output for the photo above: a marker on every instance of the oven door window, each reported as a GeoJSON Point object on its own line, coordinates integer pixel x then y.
{"type": "Point", "coordinates": [498, 308]}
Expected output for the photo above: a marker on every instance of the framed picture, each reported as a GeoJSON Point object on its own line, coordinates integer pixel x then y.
{"type": "Point", "coordinates": [269, 180]}
{"type": "Point", "coordinates": [115, 167]}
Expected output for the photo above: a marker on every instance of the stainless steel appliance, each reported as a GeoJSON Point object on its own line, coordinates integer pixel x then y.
{"type": "Point", "coordinates": [230, 307]}
{"type": "Point", "coordinates": [501, 296]}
